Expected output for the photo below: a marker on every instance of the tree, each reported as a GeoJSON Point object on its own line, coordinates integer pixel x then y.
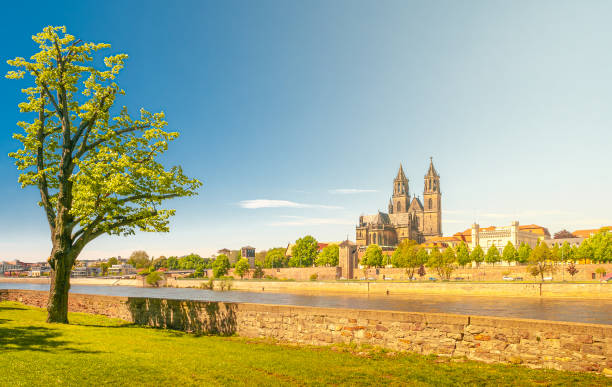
{"type": "Point", "coordinates": [153, 278]}
{"type": "Point", "coordinates": [328, 256]}
{"type": "Point", "coordinates": [509, 254]}
{"type": "Point", "coordinates": [258, 272]}
{"type": "Point", "coordinates": [96, 172]}
{"type": "Point", "coordinates": [463, 254]}
{"type": "Point", "coordinates": [571, 269]}
{"type": "Point", "coordinates": [421, 272]}
{"type": "Point", "coordinates": [599, 246]}
{"type": "Point", "coordinates": [242, 267]}
{"type": "Point", "coordinates": [406, 256]}
{"type": "Point", "coordinates": [492, 256]}
{"type": "Point", "coordinates": [275, 258]}
{"type": "Point", "coordinates": [139, 259]}
{"type": "Point", "coordinates": [601, 271]}
{"type": "Point", "coordinates": [435, 261]}
{"type": "Point", "coordinates": [220, 266]}
{"type": "Point", "coordinates": [449, 260]}
{"type": "Point", "coordinates": [477, 255]}
{"type": "Point", "coordinates": [566, 252]}
{"type": "Point", "coordinates": [563, 234]}
{"type": "Point", "coordinates": [260, 257]}
{"type": "Point", "coordinates": [524, 252]}
{"type": "Point", "coordinates": [113, 261]}
{"type": "Point", "coordinates": [373, 256]}
{"type": "Point", "coordinates": [304, 252]}
{"type": "Point", "coordinates": [540, 261]}
{"type": "Point", "coordinates": [159, 262]}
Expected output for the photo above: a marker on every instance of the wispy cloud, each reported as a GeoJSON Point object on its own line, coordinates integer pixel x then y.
{"type": "Point", "coordinates": [350, 191]}
{"type": "Point", "coordinates": [302, 221]}
{"type": "Point", "coordinates": [270, 203]}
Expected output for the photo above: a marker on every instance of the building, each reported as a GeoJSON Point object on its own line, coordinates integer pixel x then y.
{"type": "Point", "coordinates": [121, 269]}
{"type": "Point", "coordinates": [500, 236]}
{"type": "Point", "coordinates": [348, 259]}
{"type": "Point", "coordinates": [589, 232]}
{"type": "Point", "coordinates": [408, 218]}
{"type": "Point", "coordinates": [15, 267]}
{"type": "Point", "coordinates": [248, 252]}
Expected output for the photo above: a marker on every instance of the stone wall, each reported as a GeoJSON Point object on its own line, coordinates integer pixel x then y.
{"type": "Point", "coordinates": [533, 343]}
{"type": "Point", "coordinates": [297, 273]}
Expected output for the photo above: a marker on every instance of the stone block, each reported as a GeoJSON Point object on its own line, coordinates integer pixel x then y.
{"type": "Point", "coordinates": [482, 337]}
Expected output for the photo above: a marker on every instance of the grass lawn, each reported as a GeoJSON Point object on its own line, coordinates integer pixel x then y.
{"type": "Point", "coordinates": [96, 350]}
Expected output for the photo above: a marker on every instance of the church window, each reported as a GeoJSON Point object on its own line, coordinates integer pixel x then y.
{"type": "Point", "coordinates": [399, 206]}
{"type": "Point", "coordinates": [374, 239]}
{"type": "Point", "coordinates": [430, 204]}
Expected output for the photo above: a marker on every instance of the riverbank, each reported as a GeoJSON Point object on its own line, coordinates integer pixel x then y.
{"type": "Point", "coordinates": [510, 289]}
{"type": "Point", "coordinates": [114, 353]}
{"type": "Point", "coordinates": [568, 290]}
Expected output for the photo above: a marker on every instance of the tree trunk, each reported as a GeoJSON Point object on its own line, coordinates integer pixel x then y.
{"type": "Point", "coordinates": [57, 305]}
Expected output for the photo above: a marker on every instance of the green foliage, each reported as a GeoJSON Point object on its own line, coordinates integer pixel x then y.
{"type": "Point", "coordinates": [598, 247]}
{"type": "Point", "coordinates": [328, 256]}
{"type": "Point", "coordinates": [463, 255]}
{"type": "Point", "coordinates": [492, 256]}
{"type": "Point", "coordinates": [540, 261]}
{"type": "Point", "coordinates": [304, 252]}
{"type": "Point", "coordinates": [314, 277]}
{"type": "Point", "coordinates": [443, 263]}
{"type": "Point", "coordinates": [566, 252]}
{"type": "Point", "coordinates": [524, 252]}
{"type": "Point", "coordinates": [112, 261]}
{"type": "Point", "coordinates": [276, 258]}
{"type": "Point", "coordinates": [258, 272]}
{"type": "Point", "coordinates": [242, 267]}
{"type": "Point", "coordinates": [477, 255]}
{"type": "Point", "coordinates": [139, 259]}
{"type": "Point", "coordinates": [154, 278]}
{"type": "Point", "coordinates": [220, 266]}
{"type": "Point", "coordinates": [406, 256]}
{"type": "Point", "coordinates": [373, 256]}
{"type": "Point", "coordinates": [509, 254]}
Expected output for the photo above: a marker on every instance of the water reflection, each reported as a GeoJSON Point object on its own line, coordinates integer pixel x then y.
{"type": "Point", "coordinates": [579, 310]}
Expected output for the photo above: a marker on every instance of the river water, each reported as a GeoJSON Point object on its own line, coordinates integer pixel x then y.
{"type": "Point", "coordinates": [575, 310]}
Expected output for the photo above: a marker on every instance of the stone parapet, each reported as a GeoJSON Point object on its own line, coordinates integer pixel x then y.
{"type": "Point", "coordinates": [533, 343]}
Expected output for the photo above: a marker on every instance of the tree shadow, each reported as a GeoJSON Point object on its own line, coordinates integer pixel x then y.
{"type": "Point", "coordinates": [34, 338]}
{"type": "Point", "coordinates": [198, 317]}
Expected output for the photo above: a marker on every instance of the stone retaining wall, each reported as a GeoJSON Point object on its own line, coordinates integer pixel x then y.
{"type": "Point", "coordinates": [533, 343]}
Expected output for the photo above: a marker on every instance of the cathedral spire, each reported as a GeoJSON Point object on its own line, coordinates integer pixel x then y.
{"type": "Point", "coordinates": [400, 173]}
{"type": "Point", "coordinates": [432, 170]}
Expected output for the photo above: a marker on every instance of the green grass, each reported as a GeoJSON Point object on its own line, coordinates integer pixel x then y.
{"type": "Point", "coordinates": [96, 350]}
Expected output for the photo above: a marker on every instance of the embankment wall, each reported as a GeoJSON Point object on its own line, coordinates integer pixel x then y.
{"type": "Point", "coordinates": [533, 343]}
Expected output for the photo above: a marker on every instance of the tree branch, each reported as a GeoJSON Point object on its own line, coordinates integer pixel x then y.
{"type": "Point", "coordinates": [90, 233]}
{"type": "Point", "coordinates": [94, 144]}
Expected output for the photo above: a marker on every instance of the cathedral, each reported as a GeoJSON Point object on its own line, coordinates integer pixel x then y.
{"type": "Point", "coordinates": [408, 218]}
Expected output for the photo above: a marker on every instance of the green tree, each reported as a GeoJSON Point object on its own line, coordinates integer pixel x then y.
{"type": "Point", "coordinates": [463, 254]}
{"type": "Point", "coordinates": [436, 261]}
{"type": "Point", "coordinates": [258, 272]}
{"type": "Point", "coordinates": [153, 278]}
{"type": "Point", "coordinates": [492, 256]}
{"type": "Point", "coordinates": [160, 262]}
{"type": "Point", "coordinates": [599, 246]}
{"type": "Point", "coordinates": [328, 256]}
{"type": "Point", "coordinates": [220, 266]}
{"type": "Point", "coordinates": [139, 259]}
{"type": "Point", "coordinates": [524, 252]}
{"type": "Point", "coordinates": [275, 258]}
{"type": "Point", "coordinates": [540, 261]}
{"type": "Point", "coordinates": [509, 254]}
{"type": "Point", "coordinates": [373, 256]}
{"type": "Point", "coordinates": [242, 267]}
{"type": "Point", "coordinates": [422, 257]}
{"type": "Point", "coordinates": [477, 255]}
{"type": "Point", "coordinates": [566, 252]}
{"type": "Point", "coordinates": [304, 252]}
{"type": "Point", "coordinates": [96, 172]}
{"type": "Point", "coordinates": [406, 256]}
{"type": "Point", "coordinates": [113, 261]}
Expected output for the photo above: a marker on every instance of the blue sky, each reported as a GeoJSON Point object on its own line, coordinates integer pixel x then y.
{"type": "Point", "coordinates": [305, 110]}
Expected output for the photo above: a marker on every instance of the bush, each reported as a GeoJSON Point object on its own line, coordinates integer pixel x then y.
{"type": "Point", "coordinates": [314, 277]}
{"type": "Point", "coordinates": [154, 278]}
{"type": "Point", "coordinates": [209, 285]}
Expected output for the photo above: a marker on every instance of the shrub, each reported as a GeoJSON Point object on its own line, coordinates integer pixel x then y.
{"type": "Point", "coordinates": [314, 277]}
{"type": "Point", "coordinates": [154, 278]}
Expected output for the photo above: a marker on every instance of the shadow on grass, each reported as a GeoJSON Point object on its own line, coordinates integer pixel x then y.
{"type": "Point", "coordinates": [34, 338]}
{"type": "Point", "coordinates": [198, 317]}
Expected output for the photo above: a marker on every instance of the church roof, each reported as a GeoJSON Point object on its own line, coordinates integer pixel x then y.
{"type": "Point", "coordinates": [378, 218]}
{"type": "Point", "coordinates": [418, 202]}
{"type": "Point", "coordinates": [432, 170]}
{"type": "Point", "coordinates": [400, 174]}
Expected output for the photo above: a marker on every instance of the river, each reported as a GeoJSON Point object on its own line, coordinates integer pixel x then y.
{"type": "Point", "coordinates": [574, 310]}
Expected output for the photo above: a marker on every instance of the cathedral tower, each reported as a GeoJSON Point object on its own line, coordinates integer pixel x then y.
{"type": "Point", "coordinates": [400, 201]}
{"type": "Point", "coordinates": [432, 201]}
